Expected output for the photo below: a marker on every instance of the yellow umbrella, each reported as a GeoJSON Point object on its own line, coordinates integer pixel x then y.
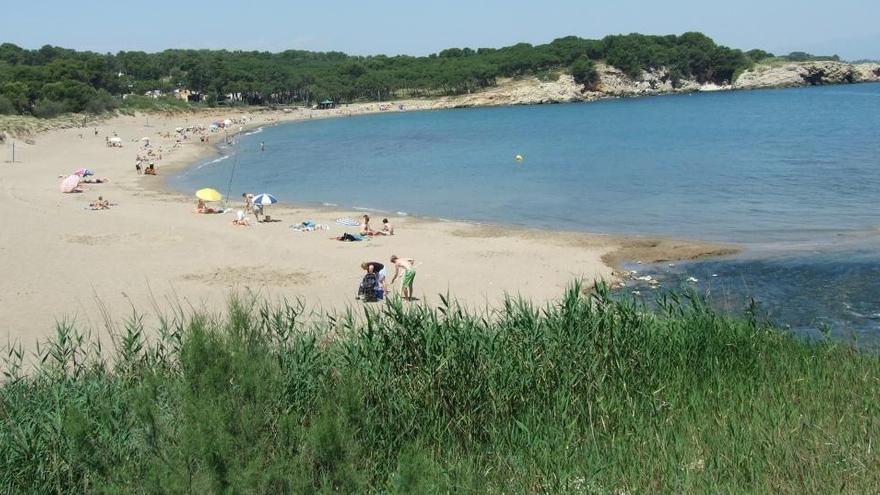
{"type": "Point", "coordinates": [208, 194]}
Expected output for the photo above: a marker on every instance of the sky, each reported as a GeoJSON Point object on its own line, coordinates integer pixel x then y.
{"type": "Point", "coordinates": [848, 28]}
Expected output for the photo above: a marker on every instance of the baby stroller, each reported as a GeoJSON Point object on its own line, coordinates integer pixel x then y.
{"type": "Point", "coordinates": [369, 289]}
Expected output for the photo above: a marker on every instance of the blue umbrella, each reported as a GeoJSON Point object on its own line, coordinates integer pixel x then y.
{"type": "Point", "coordinates": [264, 199]}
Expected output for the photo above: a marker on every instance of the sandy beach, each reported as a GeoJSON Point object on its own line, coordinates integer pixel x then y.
{"type": "Point", "coordinates": [150, 252]}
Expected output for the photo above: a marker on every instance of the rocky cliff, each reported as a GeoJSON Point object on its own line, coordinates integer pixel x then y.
{"type": "Point", "coordinates": [807, 74]}
{"type": "Point", "coordinates": [613, 83]}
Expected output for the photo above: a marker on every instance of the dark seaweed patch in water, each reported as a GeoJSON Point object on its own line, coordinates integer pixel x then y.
{"type": "Point", "coordinates": [803, 292]}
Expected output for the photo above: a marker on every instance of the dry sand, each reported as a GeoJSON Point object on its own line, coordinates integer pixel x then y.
{"type": "Point", "coordinates": [64, 261]}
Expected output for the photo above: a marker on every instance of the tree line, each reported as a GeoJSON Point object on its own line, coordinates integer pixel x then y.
{"type": "Point", "coordinates": [51, 80]}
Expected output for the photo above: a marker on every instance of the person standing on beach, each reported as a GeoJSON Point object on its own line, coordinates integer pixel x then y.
{"type": "Point", "coordinates": [408, 265]}
{"type": "Point", "coordinates": [248, 201]}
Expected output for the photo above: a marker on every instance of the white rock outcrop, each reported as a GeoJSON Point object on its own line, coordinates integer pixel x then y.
{"type": "Point", "coordinates": [806, 74]}
{"type": "Point", "coordinates": [613, 83]}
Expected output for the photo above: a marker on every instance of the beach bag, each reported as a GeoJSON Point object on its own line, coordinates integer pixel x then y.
{"type": "Point", "coordinates": [367, 289]}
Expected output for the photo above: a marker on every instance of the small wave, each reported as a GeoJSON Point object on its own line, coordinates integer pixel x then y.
{"type": "Point", "coordinates": [329, 204]}
{"type": "Point", "coordinates": [402, 213]}
{"type": "Point", "coordinates": [212, 162]}
{"type": "Point", "coordinates": [255, 131]}
{"type": "Point", "coordinates": [362, 208]}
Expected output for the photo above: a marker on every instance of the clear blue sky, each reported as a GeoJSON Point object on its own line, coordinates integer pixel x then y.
{"type": "Point", "coordinates": [850, 28]}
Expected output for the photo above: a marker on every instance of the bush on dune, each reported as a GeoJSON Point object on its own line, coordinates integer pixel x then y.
{"type": "Point", "coordinates": [588, 395]}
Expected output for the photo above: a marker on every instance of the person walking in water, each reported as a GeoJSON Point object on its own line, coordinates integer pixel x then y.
{"type": "Point", "coordinates": [408, 266]}
{"type": "Point", "coordinates": [262, 146]}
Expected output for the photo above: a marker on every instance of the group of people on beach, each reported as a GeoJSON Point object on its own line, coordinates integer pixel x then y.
{"type": "Point", "coordinates": [387, 228]}
{"type": "Point", "coordinates": [374, 284]}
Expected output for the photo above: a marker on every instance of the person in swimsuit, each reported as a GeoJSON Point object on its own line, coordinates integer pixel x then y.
{"type": "Point", "coordinates": [408, 266]}
{"type": "Point", "coordinates": [365, 226]}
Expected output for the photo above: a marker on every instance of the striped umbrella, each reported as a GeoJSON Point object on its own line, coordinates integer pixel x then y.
{"type": "Point", "coordinates": [264, 199]}
{"type": "Point", "coordinates": [348, 221]}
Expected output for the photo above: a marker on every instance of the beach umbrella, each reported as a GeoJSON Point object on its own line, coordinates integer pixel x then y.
{"type": "Point", "coordinates": [116, 140]}
{"type": "Point", "coordinates": [348, 221]}
{"type": "Point", "coordinates": [227, 122]}
{"type": "Point", "coordinates": [264, 199]}
{"type": "Point", "coordinates": [83, 172]}
{"type": "Point", "coordinates": [70, 183]}
{"type": "Point", "coordinates": [208, 194]}
{"type": "Point", "coordinates": [145, 138]}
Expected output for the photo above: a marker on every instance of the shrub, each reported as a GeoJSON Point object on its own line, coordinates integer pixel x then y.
{"type": "Point", "coordinates": [101, 102]}
{"type": "Point", "coordinates": [6, 106]}
{"type": "Point", "coordinates": [584, 72]}
{"type": "Point", "coordinates": [46, 109]}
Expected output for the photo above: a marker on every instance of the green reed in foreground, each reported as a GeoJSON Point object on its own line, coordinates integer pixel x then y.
{"type": "Point", "coordinates": [589, 395]}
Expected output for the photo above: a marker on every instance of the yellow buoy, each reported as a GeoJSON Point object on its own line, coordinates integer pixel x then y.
{"type": "Point", "coordinates": [519, 158]}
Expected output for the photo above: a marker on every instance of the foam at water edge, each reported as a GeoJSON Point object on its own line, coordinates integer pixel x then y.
{"type": "Point", "coordinates": [362, 208]}
{"type": "Point", "coordinates": [212, 162]}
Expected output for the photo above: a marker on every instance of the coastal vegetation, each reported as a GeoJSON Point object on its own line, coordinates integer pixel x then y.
{"type": "Point", "coordinates": [590, 394]}
{"type": "Point", "coordinates": [51, 80]}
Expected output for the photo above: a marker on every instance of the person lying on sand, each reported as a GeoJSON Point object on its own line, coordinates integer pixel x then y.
{"type": "Point", "coordinates": [203, 208]}
{"type": "Point", "coordinates": [100, 204]}
{"type": "Point", "coordinates": [408, 265]}
{"type": "Point", "coordinates": [96, 181]}
{"type": "Point", "coordinates": [346, 237]}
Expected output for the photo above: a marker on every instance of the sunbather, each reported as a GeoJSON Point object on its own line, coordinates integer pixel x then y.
{"type": "Point", "coordinates": [100, 204]}
{"type": "Point", "coordinates": [203, 208]}
{"type": "Point", "coordinates": [365, 226]}
{"type": "Point", "coordinates": [241, 219]}
{"type": "Point", "coordinates": [387, 228]}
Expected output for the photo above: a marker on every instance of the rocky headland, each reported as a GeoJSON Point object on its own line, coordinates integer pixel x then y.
{"type": "Point", "coordinates": [613, 83]}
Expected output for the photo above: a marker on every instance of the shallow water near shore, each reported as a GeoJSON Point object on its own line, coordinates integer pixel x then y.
{"type": "Point", "coordinates": [793, 175]}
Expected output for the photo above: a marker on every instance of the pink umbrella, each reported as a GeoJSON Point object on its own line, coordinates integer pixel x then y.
{"type": "Point", "coordinates": [70, 183]}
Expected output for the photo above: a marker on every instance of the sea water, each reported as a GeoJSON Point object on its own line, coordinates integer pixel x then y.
{"type": "Point", "coordinates": [792, 175]}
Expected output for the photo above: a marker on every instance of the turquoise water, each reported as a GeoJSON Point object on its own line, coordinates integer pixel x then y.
{"type": "Point", "coordinates": [791, 174]}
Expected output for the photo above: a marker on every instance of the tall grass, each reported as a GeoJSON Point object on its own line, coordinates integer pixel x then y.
{"type": "Point", "coordinates": [588, 395]}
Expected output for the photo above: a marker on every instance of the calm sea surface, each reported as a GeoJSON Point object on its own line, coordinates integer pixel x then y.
{"type": "Point", "coordinates": [793, 175]}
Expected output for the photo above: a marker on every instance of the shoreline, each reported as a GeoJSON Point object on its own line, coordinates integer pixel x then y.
{"type": "Point", "coordinates": [647, 248]}
{"type": "Point", "coordinates": [151, 254]}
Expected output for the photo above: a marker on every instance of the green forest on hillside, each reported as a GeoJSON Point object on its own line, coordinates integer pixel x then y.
{"type": "Point", "coordinates": [53, 80]}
